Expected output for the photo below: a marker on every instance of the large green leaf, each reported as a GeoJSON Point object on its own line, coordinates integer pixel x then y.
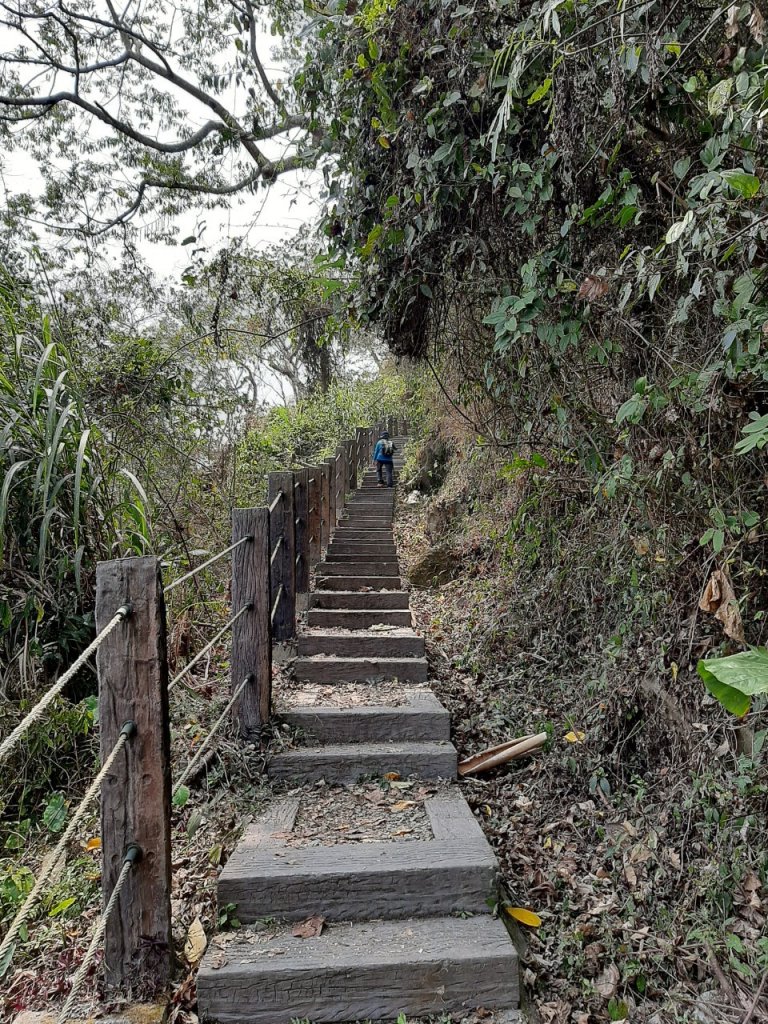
{"type": "Point", "coordinates": [746, 185]}
{"type": "Point", "coordinates": [736, 679]}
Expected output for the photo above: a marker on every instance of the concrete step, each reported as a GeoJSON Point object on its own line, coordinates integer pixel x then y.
{"type": "Point", "coordinates": [358, 568]}
{"type": "Point", "coordinates": [354, 535]}
{"type": "Point", "coordinates": [322, 669]}
{"type": "Point", "coordinates": [345, 763]}
{"type": "Point", "coordinates": [423, 717]}
{"type": "Point", "coordinates": [359, 583]}
{"type": "Point", "coordinates": [360, 971]}
{"type": "Point", "coordinates": [348, 600]}
{"type": "Point", "coordinates": [346, 618]}
{"type": "Point", "coordinates": [361, 645]}
{"type": "Point", "coordinates": [268, 878]}
{"type": "Point", "coordinates": [368, 554]}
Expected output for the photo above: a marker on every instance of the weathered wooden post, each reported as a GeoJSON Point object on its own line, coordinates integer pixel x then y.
{"type": "Point", "coordinates": [331, 464]}
{"type": "Point", "coordinates": [132, 669]}
{"type": "Point", "coordinates": [360, 459]}
{"type": "Point", "coordinates": [351, 462]}
{"type": "Point", "coordinates": [301, 522]}
{"type": "Point", "coordinates": [341, 482]}
{"type": "Point", "coordinates": [315, 512]}
{"type": "Point", "coordinates": [251, 634]}
{"type": "Point", "coordinates": [325, 506]}
{"type": "Point", "coordinates": [282, 533]}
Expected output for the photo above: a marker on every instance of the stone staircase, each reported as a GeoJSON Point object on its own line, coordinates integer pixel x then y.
{"type": "Point", "coordinates": [408, 927]}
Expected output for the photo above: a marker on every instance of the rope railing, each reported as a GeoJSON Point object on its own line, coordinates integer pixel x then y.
{"type": "Point", "coordinates": [273, 613]}
{"type": "Point", "coordinates": [214, 729]}
{"type": "Point", "coordinates": [193, 572]}
{"type": "Point", "coordinates": [133, 679]}
{"type": "Point", "coordinates": [51, 862]}
{"type": "Point", "coordinates": [201, 653]}
{"type": "Point", "coordinates": [277, 499]}
{"type": "Point", "coordinates": [132, 856]}
{"type": "Point", "coordinates": [13, 738]}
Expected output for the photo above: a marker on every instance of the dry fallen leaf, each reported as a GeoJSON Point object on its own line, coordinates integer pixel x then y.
{"type": "Point", "coordinates": [310, 928]}
{"type": "Point", "coordinates": [392, 776]}
{"type": "Point", "coordinates": [403, 805]}
{"type": "Point", "coordinates": [719, 600]}
{"type": "Point", "coordinates": [608, 983]}
{"type": "Point", "coordinates": [196, 942]}
{"type": "Point", "coordinates": [575, 736]}
{"type": "Point", "coordinates": [524, 916]}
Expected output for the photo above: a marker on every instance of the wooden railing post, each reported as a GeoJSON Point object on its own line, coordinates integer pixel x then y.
{"type": "Point", "coordinates": [341, 481]}
{"type": "Point", "coordinates": [251, 634]}
{"type": "Point", "coordinates": [315, 512]}
{"type": "Point", "coordinates": [136, 795]}
{"type": "Point", "coordinates": [301, 521]}
{"type": "Point", "coordinates": [360, 459]}
{"type": "Point", "coordinates": [331, 464]}
{"type": "Point", "coordinates": [282, 538]}
{"type": "Point", "coordinates": [349, 455]}
{"type": "Point", "coordinates": [325, 506]}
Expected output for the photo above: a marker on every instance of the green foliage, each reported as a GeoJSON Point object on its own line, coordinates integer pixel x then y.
{"type": "Point", "coordinates": [310, 430]}
{"type": "Point", "coordinates": [65, 500]}
{"type": "Point", "coordinates": [735, 680]}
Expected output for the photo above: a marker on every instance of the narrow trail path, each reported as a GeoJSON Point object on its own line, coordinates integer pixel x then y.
{"type": "Point", "coordinates": [408, 925]}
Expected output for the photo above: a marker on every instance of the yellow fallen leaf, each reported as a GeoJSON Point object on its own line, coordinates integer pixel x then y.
{"type": "Point", "coordinates": [392, 776]}
{"type": "Point", "coordinates": [575, 736]}
{"type": "Point", "coordinates": [403, 805]}
{"type": "Point", "coordinates": [93, 844]}
{"type": "Point", "coordinates": [524, 916]}
{"type": "Point", "coordinates": [196, 942]}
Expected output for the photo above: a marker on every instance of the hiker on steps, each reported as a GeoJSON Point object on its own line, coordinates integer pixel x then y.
{"type": "Point", "coordinates": [382, 456]}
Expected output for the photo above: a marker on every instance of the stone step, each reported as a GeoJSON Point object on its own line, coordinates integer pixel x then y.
{"type": "Point", "coordinates": [349, 600]}
{"type": "Point", "coordinates": [361, 645]}
{"type": "Point", "coordinates": [359, 583]}
{"type": "Point", "coordinates": [360, 971]}
{"type": "Point", "coordinates": [345, 618]}
{"type": "Point", "coordinates": [358, 568]}
{"type": "Point", "coordinates": [345, 763]}
{"type": "Point", "coordinates": [324, 669]}
{"type": "Point", "coordinates": [423, 717]}
{"type": "Point", "coordinates": [267, 878]}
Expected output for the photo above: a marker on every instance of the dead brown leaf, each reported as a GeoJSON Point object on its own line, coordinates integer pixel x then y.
{"type": "Point", "coordinates": [608, 983]}
{"type": "Point", "coordinates": [310, 928]}
{"type": "Point", "coordinates": [719, 600]}
{"type": "Point", "coordinates": [196, 942]}
{"type": "Point", "coordinates": [593, 287]}
{"type": "Point", "coordinates": [757, 25]}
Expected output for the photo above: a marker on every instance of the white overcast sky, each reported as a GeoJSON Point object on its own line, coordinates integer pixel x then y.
{"type": "Point", "coordinates": [264, 219]}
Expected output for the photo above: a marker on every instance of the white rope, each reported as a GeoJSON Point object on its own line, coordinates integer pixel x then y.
{"type": "Point", "coordinates": [274, 554]}
{"type": "Point", "coordinates": [278, 498]}
{"type": "Point", "coordinates": [40, 708]}
{"type": "Point", "coordinates": [93, 791]}
{"type": "Point", "coordinates": [204, 565]}
{"type": "Point", "coordinates": [208, 646]}
{"type": "Point", "coordinates": [203, 746]}
{"type": "Point", "coordinates": [273, 613]}
{"type": "Point", "coordinates": [95, 944]}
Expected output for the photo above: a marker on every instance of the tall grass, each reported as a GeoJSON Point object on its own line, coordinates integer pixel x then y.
{"type": "Point", "coordinates": [64, 503]}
